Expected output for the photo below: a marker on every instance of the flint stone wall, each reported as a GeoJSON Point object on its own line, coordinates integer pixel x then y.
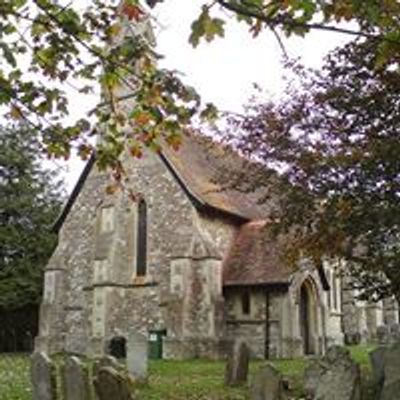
{"type": "Point", "coordinates": [95, 293]}
{"type": "Point", "coordinates": [253, 326]}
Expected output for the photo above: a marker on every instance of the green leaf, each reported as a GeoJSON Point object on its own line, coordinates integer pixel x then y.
{"type": "Point", "coordinates": [210, 113]}
{"type": "Point", "coordinates": [206, 27]}
{"type": "Point", "coordinates": [8, 54]}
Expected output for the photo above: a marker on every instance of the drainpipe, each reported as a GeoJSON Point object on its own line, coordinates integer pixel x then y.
{"type": "Point", "coordinates": [267, 333]}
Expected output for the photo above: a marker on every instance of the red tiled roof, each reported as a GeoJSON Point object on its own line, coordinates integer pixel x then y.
{"type": "Point", "coordinates": [254, 258]}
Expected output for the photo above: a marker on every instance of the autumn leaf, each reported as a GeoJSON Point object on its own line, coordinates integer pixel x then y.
{"type": "Point", "coordinates": [84, 151]}
{"type": "Point", "coordinates": [111, 189]}
{"type": "Point", "coordinates": [132, 11]}
{"type": "Point", "coordinates": [174, 140]}
{"type": "Point", "coordinates": [136, 151]}
{"type": "Point", "coordinates": [142, 118]}
{"type": "Point", "coordinates": [15, 112]}
{"type": "Point", "coordinates": [114, 30]}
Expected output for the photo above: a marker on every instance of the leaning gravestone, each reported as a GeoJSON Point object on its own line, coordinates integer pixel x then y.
{"type": "Point", "coordinates": [334, 377]}
{"type": "Point", "coordinates": [391, 385]}
{"type": "Point", "coordinates": [43, 376]}
{"type": "Point", "coordinates": [267, 384]}
{"type": "Point", "coordinates": [377, 358]}
{"type": "Point", "coordinates": [110, 384]}
{"type": "Point", "coordinates": [137, 356]}
{"type": "Point", "coordinates": [237, 366]}
{"type": "Point", "coordinates": [76, 384]}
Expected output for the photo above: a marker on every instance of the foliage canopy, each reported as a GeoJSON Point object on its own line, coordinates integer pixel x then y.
{"type": "Point", "coordinates": [335, 141]}
{"type": "Point", "coordinates": [348, 163]}
{"type": "Point", "coordinates": [29, 202]}
{"type": "Point", "coordinates": [48, 47]}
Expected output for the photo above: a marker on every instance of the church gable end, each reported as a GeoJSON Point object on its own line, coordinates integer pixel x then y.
{"type": "Point", "coordinates": [115, 254]}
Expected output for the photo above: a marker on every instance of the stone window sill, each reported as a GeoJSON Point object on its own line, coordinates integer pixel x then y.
{"type": "Point", "coordinates": [146, 280]}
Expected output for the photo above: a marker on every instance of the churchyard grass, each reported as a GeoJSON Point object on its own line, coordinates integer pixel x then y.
{"type": "Point", "coordinates": [15, 377]}
{"type": "Point", "coordinates": [174, 380]}
{"type": "Point", "coordinates": [360, 354]}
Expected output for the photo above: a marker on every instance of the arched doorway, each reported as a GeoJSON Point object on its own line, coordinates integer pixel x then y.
{"type": "Point", "coordinates": [308, 317]}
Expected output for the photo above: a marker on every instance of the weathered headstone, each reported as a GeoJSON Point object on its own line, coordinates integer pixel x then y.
{"type": "Point", "coordinates": [394, 332]}
{"type": "Point", "coordinates": [137, 356]}
{"type": "Point", "coordinates": [237, 366]}
{"type": "Point", "coordinates": [76, 385]}
{"type": "Point", "coordinates": [110, 384]}
{"type": "Point", "coordinates": [43, 376]}
{"type": "Point", "coordinates": [267, 384]}
{"type": "Point", "coordinates": [391, 385]}
{"type": "Point", "coordinates": [377, 358]}
{"type": "Point", "coordinates": [334, 377]}
{"type": "Point", "coordinates": [382, 334]}
{"type": "Point", "coordinates": [109, 361]}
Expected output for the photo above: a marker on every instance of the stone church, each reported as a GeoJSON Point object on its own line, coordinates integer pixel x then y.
{"type": "Point", "coordinates": [189, 260]}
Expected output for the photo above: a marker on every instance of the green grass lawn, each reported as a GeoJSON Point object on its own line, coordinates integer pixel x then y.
{"type": "Point", "coordinates": [175, 380]}
{"type": "Point", "coordinates": [14, 377]}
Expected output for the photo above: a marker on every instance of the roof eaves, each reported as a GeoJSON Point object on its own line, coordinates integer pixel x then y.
{"type": "Point", "coordinates": [75, 192]}
{"type": "Point", "coordinates": [280, 284]}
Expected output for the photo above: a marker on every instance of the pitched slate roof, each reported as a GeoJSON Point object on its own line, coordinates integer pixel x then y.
{"type": "Point", "coordinates": [197, 166]}
{"type": "Point", "coordinates": [254, 258]}
{"type": "Point", "coordinates": [204, 165]}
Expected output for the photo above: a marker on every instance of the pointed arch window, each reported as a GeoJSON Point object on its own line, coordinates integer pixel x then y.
{"type": "Point", "coordinates": [141, 244]}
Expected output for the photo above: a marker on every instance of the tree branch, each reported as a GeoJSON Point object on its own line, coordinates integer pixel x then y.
{"type": "Point", "coordinates": [281, 21]}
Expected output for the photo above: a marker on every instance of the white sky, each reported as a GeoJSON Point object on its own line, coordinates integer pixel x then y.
{"type": "Point", "coordinates": [223, 71]}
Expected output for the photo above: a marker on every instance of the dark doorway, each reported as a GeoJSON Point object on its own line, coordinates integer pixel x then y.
{"type": "Point", "coordinates": [306, 319]}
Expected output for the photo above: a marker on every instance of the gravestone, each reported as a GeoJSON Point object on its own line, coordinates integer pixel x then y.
{"type": "Point", "coordinates": [391, 385]}
{"type": "Point", "coordinates": [394, 332]}
{"type": "Point", "coordinates": [137, 356]}
{"type": "Point", "coordinates": [237, 365]}
{"type": "Point", "coordinates": [109, 384]}
{"type": "Point", "coordinates": [377, 358]}
{"type": "Point", "coordinates": [334, 377]}
{"type": "Point", "coordinates": [43, 376]}
{"type": "Point", "coordinates": [109, 361]}
{"type": "Point", "coordinates": [382, 334]}
{"type": "Point", "coordinates": [267, 384]}
{"type": "Point", "coordinates": [76, 384]}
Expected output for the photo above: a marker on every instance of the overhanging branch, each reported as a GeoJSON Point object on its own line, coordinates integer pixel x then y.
{"type": "Point", "coordinates": [281, 21]}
